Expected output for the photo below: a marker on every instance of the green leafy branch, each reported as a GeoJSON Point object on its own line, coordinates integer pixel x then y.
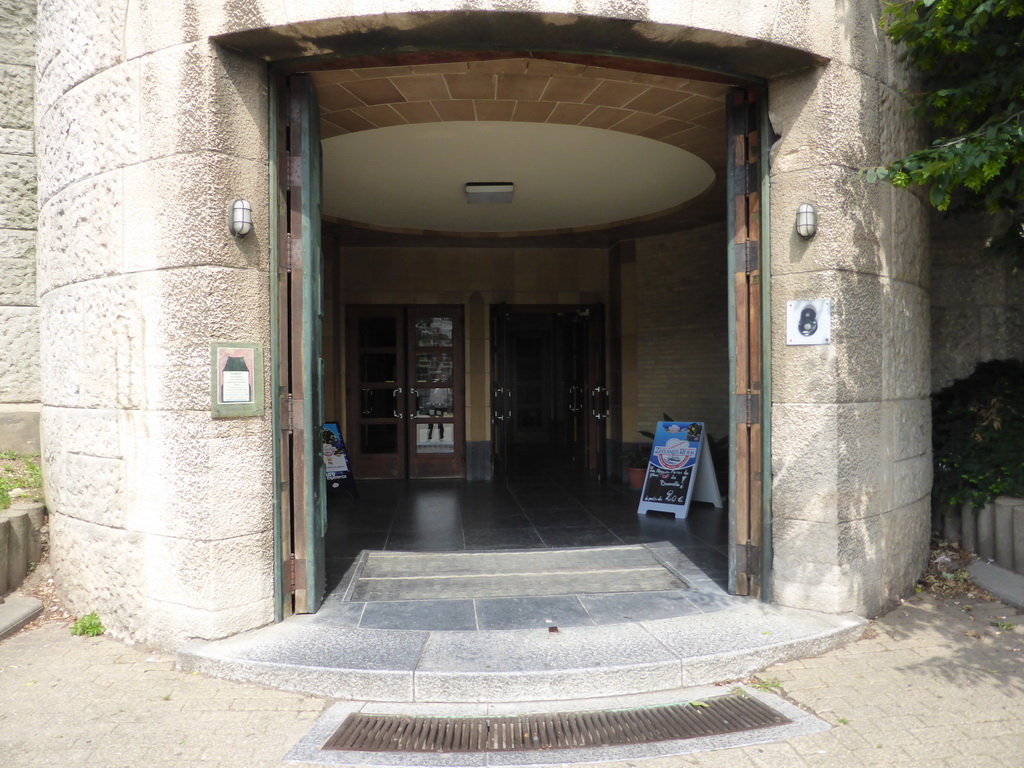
{"type": "Point", "coordinates": [970, 54]}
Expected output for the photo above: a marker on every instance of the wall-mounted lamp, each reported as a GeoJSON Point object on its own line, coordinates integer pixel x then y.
{"type": "Point", "coordinates": [489, 191]}
{"type": "Point", "coordinates": [806, 221]}
{"type": "Point", "coordinates": [240, 218]}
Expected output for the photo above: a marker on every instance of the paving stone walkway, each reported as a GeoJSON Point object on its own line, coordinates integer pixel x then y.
{"type": "Point", "coordinates": [931, 684]}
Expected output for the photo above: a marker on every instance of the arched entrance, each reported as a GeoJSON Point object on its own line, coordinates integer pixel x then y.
{"type": "Point", "coordinates": [403, 143]}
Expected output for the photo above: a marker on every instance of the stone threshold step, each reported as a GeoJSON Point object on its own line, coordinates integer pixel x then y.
{"type": "Point", "coordinates": [520, 665]}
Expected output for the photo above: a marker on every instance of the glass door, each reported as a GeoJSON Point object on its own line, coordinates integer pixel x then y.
{"type": "Point", "coordinates": [435, 388]}
{"type": "Point", "coordinates": [405, 392]}
{"type": "Point", "coordinates": [376, 391]}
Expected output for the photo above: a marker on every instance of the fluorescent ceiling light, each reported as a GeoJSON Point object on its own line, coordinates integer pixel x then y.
{"type": "Point", "coordinates": [489, 192]}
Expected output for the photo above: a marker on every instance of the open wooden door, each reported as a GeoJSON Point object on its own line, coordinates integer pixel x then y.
{"type": "Point", "coordinates": [746, 521]}
{"type": "Point", "coordinates": [299, 358]}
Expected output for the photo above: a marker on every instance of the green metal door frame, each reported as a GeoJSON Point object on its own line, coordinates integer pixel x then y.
{"type": "Point", "coordinates": [297, 368]}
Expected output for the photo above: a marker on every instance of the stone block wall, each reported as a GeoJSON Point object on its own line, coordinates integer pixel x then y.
{"type": "Point", "coordinates": [851, 470]}
{"type": "Point", "coordinates": [977, 301]}
{"type": "Point", "coordinates": [19, 311]}
{"type": "Point", "coordinates": [161, 516]}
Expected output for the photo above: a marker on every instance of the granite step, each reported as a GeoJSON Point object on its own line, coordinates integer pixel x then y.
{"type": "Point", "coordinates": [310, 655]}
{"type": "Point", "coordinates": [20, 543]}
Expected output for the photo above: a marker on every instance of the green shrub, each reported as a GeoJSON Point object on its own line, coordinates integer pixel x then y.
{"type": "Point", "coordinates": [89, 625]}
{"type": "Point", "coordinates": [19, 471]}
{"type": "Point", "coordinates": [978, 435]}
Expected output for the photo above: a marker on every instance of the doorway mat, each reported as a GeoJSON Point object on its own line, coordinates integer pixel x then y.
{"type": "Point", "coordinates": [391, 576]}
{"type": "Point", "coordinates": [786, 721]}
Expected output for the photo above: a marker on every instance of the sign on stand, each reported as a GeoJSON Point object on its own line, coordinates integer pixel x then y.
{"type": "Point", "coordinates": [336, 466]}
{"type": "Point", "coordinates": [679, 470]}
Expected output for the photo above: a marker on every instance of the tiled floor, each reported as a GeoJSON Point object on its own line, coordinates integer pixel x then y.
{"type": "Point", "coordinates": [454, 515]}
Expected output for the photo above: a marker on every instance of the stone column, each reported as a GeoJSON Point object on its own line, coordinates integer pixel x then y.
{"type": "Point", "coordinates": [162, 516]}
{"type": "Point", "coordinates": [851, 467]}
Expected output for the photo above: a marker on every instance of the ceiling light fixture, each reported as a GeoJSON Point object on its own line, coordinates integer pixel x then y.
{"type": "Point", "coordinates": [489, 192]}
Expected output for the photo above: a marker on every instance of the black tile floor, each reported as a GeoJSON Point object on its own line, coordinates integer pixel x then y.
{"type": "Point", "coordinates": [454, 515]}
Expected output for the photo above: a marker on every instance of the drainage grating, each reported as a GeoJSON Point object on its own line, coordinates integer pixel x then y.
{"type": "Point", "coordinates": [554, 730]}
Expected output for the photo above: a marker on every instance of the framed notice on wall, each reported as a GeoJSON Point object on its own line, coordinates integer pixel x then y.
{"type": "Point", "coordinates": [236, 379]}
{"type": "Point", "coordinates": [679, 470]}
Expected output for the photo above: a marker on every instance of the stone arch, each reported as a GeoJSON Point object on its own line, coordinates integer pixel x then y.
{"type": "Point", "coordinates": [160, 116]}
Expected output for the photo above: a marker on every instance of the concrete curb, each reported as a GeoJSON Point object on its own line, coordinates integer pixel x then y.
{"type": "Point", "coordinates": [20, 542]}
{"type": "Point", "coordinates": [16, 611]}
{"type": "Point", "coordinates": [1006, 585]}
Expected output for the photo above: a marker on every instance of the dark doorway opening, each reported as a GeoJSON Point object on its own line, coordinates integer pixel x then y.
{"type": "Point", "coordinates": [539, 445]}
{"type": "Point", "coordinates": [525, 513]}
{"type": "Point", "coordinates": [550, 404]}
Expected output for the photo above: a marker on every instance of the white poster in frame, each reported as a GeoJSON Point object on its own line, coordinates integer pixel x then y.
{"type": "Point", "coordinates": [236, 379]}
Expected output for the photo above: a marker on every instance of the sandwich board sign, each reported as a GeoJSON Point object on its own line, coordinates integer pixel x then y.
{"type": "Point", "coordinates": [679, 470]}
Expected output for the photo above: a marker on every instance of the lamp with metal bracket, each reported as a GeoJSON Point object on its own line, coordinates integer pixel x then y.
{"type": "Point", "coordinates": [806, 221]}
{"type": "Point", "coordinates": [240, 218]}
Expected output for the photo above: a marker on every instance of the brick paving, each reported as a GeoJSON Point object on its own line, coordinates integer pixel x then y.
{"type": "Point", "coordinates": [75, 701]}
{"type": "Point", "coordinates": [932, 684]}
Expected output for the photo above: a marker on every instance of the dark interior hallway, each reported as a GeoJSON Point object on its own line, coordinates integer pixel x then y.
{"type": "Point", "coordinates": [530, 510]}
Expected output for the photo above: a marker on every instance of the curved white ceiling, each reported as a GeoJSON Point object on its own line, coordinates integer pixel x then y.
{"type": "Point", "coordinates": [413, 177]}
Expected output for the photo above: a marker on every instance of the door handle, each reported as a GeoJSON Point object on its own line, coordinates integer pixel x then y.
{"type": "Point", "coordinates": [575, 392]}
{"type": "Point", "coordinates": [599, 412]}
{"type": "Point", "coordinates": [394, 410]}
{"type": "Point", "coordinates": [497, 407]}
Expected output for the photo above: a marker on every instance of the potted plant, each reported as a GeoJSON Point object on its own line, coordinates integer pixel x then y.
{"type": "Point", "coordinates": [635, 458]}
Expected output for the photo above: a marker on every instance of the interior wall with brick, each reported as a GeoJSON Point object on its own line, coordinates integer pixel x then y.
{"type": "Point", "coordinates": [682, 330]}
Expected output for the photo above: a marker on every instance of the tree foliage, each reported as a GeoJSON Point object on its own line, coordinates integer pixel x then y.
{"type": "Point", "coordinates": [971, 56]}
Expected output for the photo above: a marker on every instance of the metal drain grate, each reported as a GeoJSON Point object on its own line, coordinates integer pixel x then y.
{"type": "Point", "coordinates": [554, 730]}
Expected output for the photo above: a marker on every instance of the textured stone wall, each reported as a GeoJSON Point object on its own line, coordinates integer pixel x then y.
{"type": "Point", "coordinates": [682, 330]}
{"type": "Point", "coordinates": [850, 420]}
{"type": "Point", "coordinates": [162, 517]}
{"type": "Point", "coordinates": [977, 302]}
{"type": "Point", "coordinates": [19, 313]}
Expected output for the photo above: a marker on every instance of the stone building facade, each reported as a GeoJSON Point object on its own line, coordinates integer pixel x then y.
{"type": "Point", "coordinates": [19, 312]}
{"type": "Point", "coordinates": [151, 118]}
